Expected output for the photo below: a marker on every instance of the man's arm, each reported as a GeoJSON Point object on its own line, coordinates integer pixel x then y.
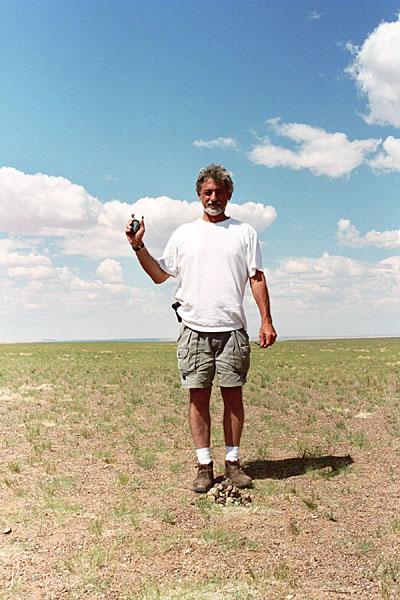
{"type": "Point", "coordinates": [259, 288]}
{"type": "Point", "coordinates": [148, 263]}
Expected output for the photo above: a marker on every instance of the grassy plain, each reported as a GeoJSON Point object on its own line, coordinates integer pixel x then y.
{"type": "Point", "coordinates": [97, 464]}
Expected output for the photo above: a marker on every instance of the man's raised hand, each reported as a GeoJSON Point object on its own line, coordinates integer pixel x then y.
{"type": "Point", "coordinates": [135, 239]}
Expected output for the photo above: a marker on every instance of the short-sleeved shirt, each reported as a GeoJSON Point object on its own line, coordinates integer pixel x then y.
{"type": "Point", "coordinates": [213, 262]}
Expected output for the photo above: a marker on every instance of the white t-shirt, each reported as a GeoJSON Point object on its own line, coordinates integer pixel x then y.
{"type": "Point", "coordinates": [213, 262]}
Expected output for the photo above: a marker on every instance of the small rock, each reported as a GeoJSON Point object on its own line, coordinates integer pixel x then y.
{"type": "Point", "coordinates": [7, 530]}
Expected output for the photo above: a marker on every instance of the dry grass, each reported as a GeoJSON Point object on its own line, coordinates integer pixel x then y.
{"type": "Point", "coordinates": [97, 465]}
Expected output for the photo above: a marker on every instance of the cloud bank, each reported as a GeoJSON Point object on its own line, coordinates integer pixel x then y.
{"type": "Point", "coordinates": [322, 291]}
{"type": "Point", "coordinates": [47, 206]}
{"type": "Point", "coordinates": [328, 294]}
{"type": "Point", "coordinates": [375, 69]}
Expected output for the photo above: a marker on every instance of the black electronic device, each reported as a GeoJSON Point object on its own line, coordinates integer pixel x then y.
{"type": "Point", "coordinates": [135, 225]}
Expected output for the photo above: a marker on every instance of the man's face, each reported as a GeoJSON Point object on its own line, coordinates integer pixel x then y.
{"type": "Point", "coordinates": [214, 197]}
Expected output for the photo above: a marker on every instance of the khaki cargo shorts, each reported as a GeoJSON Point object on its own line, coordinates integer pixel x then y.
{"type": "Point", "coordinates": [201, 354]}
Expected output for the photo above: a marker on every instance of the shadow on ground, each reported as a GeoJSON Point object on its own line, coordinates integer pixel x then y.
{"type": "Point", "coordinates": [290, 467]}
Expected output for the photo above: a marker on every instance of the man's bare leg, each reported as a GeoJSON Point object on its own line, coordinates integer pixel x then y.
{"type": "Point", "coordinates": [199, 416]}
{"type": "Point", "coordinates": [200, 426]}
{"type": "Point", "coordinates": [233, 427]}
{"type": "Point", "coordinates": [233, 414]}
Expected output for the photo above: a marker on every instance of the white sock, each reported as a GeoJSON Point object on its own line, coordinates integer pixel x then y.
{"type": "Point", "coordinates": [232, 453]}
{"type": "Point", "coordinates": [203, 455]}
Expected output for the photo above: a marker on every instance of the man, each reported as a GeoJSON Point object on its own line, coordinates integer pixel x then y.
{"type": "Point", "coordinates": [213, 258]}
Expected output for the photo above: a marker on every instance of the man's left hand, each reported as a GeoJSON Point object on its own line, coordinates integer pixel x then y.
{"type": "Point", "coordinates": [268, 335]}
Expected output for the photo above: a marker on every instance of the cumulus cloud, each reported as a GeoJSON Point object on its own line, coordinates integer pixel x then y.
{"type": "Point", "coordinates": [323, 153]}
{"type": "Point", "coordinates": [55, 207]}
{"type": "Point", "coordinates": [221, 142]}
{"type": "Point", "coordinates": [110, 270]}
{"type": "Point", "coordinates": [349, 235]}
{"type": "Point", "coordinates": [260, 216]}
{"type": "Point", "coordinates": [43, 204]}
{"type": "Point", "coordinates": [332, 296]}
{"type": "Point", "coordinates": [334, 284]}
{"type": "Point", "coordinates": [324, 295]}
{"type": "Point", "coordinates": [375, 69]}
{"type": "Point", "coordinates": [69, 306]}
{"type": "Point", "coordinates": [16, 261]}
{"type": "Point", "coordinates": [389, 159]}
{"type": "Point", "coordinates": [162, 216]}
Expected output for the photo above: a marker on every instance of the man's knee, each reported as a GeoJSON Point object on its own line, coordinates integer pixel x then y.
{"type": "Point", "coordinates": [199, 395]}
{"type": "Point", "coordinates": [232, 395]}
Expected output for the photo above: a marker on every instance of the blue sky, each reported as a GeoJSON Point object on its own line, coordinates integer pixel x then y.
{"type": "Point", "coordinates": [108, 104]}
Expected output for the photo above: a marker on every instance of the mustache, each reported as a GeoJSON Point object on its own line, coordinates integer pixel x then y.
{"type": "Point", "coordinates": [211, 204]}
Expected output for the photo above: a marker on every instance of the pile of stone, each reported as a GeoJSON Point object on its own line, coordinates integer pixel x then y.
{"type": "Point", "coordinates": [228, 494]}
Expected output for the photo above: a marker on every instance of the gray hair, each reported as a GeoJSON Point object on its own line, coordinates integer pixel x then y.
{"type": "Point", "coordinates": [216, 172]}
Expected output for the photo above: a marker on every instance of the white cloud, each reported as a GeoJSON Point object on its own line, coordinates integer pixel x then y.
{"type": "Point", "coordinates": [392, 263]}
{"type": "Point", "coordinates": [323, 153]}
{"type": "Point", "coordinates": [325, 295]}
{"type": "Point", "coordinates": [221, 142]}
{"type": "Point", "coordinates": [333, 296]}
{"type": "Point", "coordinates": [162, 216]}
{"type": "Point", "coordinates": [376, 70]}
{"type": "Point", "coordinates": [314, 15]}
{"type": "Point", "coordinates": [349, 235]}
{"type": "Point", "coordinates": [43, 204]}
{"type": "Point", "coordinates": [68, 306]}
{"type": "Point", "coordinates": [260, 216]}
{"type": "Point", "coordinates": [96, 242]}
{"type": "Point", "coordinates": [68, 292]}
{"type": "Point", "coordinates": [107, 239]}
{"type": "Point", "coordinates": [389, 160]}
{"type": "Point", "coordinates": [61, 217]}
{"type": "Point", "coordinates": [110, 270]}
{"type": "Point", "coordinates": [16, 262]}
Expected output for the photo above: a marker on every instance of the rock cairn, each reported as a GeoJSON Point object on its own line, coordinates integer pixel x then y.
{"type": "Point", "coordinates": [228, 494]}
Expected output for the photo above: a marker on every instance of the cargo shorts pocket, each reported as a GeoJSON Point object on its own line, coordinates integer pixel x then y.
{"type": "Point", "coordinates": [183, 360]}
{"type": "Point", "coordinates": [241, 351]}
{"type": "Point", "coordinates": [187, 352]}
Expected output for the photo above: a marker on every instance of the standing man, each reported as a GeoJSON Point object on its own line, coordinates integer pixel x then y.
{"type": "Point", "coordinates": [213, 258]}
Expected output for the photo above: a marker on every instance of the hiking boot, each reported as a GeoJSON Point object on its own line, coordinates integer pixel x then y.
{"type": "Point", "coordinates": [204, 480]}
{"type": "Point", "coordinates": [234, 471]}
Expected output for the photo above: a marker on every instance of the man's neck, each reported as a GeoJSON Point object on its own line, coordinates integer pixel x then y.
{"type": "Point", "coordinates": [215, 218]}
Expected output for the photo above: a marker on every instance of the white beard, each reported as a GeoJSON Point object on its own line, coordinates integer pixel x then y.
{"type": "Point", "coordinates": [214, 211]}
